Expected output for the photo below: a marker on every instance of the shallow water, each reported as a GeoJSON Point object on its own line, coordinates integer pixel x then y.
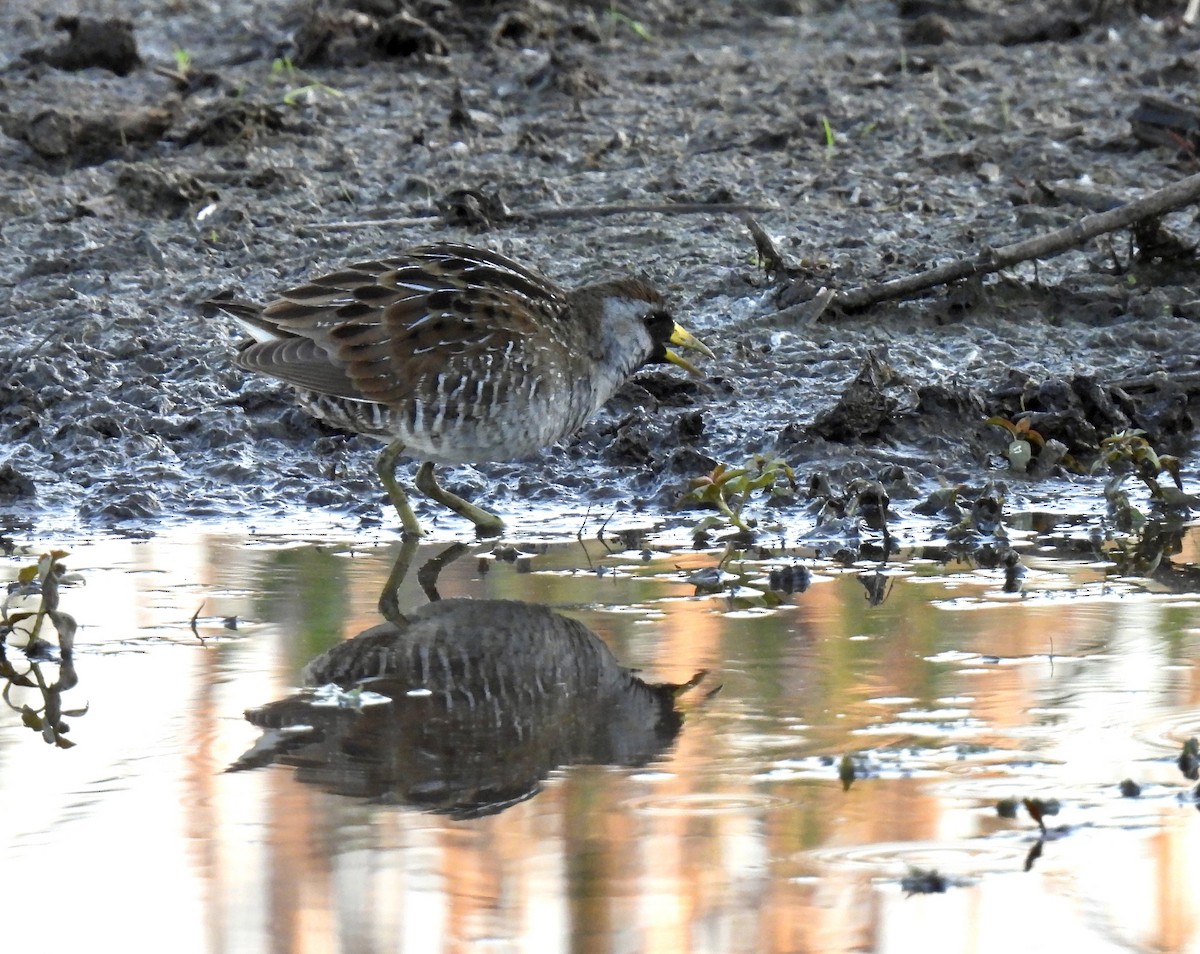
{"type": "Point", "coordinates": [949, 694]}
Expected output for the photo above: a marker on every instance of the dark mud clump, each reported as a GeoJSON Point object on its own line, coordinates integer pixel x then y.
{"type": "Point", "coordinates": [90, 43]}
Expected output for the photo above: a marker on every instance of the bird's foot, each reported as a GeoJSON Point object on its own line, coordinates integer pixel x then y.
{"type": "Point", "coordinates": [487, 524]}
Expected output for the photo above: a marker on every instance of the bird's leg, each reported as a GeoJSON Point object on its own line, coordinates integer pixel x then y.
{"type": "Point", "coordinates": [385, 466]}
{"type": "Point", "coordinates": [431, 569]}
{"type": "Point", "coordinates": [389, 599]}
{"type": "Point", "coordinates": [486, 524]}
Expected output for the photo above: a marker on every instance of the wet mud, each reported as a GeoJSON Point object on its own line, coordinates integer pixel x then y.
{"type": "Point", "coordinates": [154, 157]}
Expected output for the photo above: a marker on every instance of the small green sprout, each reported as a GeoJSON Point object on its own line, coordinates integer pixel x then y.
{"type": "Point", "coordinates": [635, 25]}
{"type": "Point", "coordinates": [284, 67]}
{"type": "Point", "coordinates": [830, 136]}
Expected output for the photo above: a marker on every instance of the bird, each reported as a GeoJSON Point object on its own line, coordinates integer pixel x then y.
{"type": "Point", "coordinates": [452, 354]}
{"type": "Point", "coordinates": [464, 706]}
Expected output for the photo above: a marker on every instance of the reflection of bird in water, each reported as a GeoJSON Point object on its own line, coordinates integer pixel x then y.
{"type": "Point", "coordinates": [455, 354]}
{"type": "Point", "coordinates": [463, 707]}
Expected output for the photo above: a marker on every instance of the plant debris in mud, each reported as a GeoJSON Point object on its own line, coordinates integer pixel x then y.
{"type": "Point", "coordinates": [847, 772]}
{"type": "Point", "coordinates": [1038, 810]}
{"type": "Point", "coordinates": [1189, 759]}
{"type": "Point", "coordinates": [922, 881]}
{"type": "Point", "coordinates": [1129, 788]}
{"type": "Point", "coordinates": [1130, 454]}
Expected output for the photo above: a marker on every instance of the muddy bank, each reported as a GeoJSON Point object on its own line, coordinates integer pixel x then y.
{"type": "Point", "coordinates": [152, 160]}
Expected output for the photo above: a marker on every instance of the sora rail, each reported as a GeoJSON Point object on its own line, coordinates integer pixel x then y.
{"type": "Point", "coordinates": [454, 354]}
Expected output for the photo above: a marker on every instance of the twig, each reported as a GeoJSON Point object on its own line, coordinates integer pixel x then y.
{"type": "Point", "coordinates": [662, 208]}
{"type": "Point", "coordinates": [196, 616]}
{"type": "Point", "coordinates": [572, 212]}
{"type": "Point", "coordinates": [773, 262]}
{"type": "Point", "coordinates": [375, 223]}
{"type": "Point", "coordinates": [1175, 196]}
{"type": "Point", "coordinates": [583, 526]}
{"type": "Point", "coordinates": [178, 77]}
{"type": "Point", "coordinates": [807, 312]}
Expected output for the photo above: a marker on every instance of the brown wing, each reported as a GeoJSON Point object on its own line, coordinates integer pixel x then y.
{"type": "Point", "coordinates": [374, 330]}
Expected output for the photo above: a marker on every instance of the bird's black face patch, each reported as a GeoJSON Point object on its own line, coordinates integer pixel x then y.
{"type": "Point", "coordinates": [661, 325]}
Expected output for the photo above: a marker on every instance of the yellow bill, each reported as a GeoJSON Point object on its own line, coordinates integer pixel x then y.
{"type": "Point", "coordinates": [682, 338]}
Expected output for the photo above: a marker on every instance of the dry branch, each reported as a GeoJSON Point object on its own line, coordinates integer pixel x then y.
{"type": "Point", "coordinates": [566, 212]}
{"type": "Point", "coordinates": [1176, 196]}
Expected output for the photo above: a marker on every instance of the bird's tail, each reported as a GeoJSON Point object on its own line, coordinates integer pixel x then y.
{"type": "Point", "coordinates": [248, 315]}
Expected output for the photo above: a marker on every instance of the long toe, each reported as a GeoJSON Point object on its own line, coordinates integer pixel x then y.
{"type": "Point", "coordinates": [487, 524]}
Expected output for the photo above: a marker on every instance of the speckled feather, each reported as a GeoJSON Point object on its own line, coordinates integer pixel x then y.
{"type": "Point", "coordinates": [460, 352]}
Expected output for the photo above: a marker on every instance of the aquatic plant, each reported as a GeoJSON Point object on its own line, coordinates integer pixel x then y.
{"type": "Point", "coordinates": [1024, 438]}
{"type": "Point", "coordinates": [728, 488]}
{"type": "Point", "coordinates": [1129, 454]}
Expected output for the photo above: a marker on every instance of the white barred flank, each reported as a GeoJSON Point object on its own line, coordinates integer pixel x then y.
{"type": "Point", "coordinates": [360, 417]}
